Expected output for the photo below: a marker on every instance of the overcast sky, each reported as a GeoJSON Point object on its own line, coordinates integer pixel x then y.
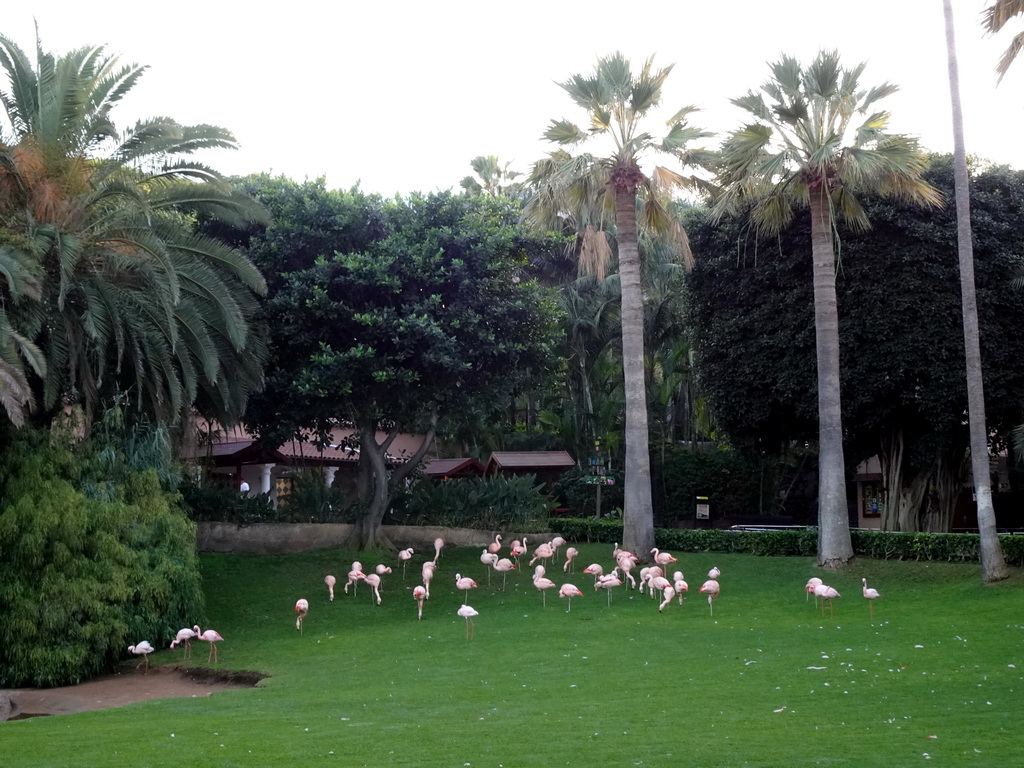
{"type": "Point", "coordinates": [400, 96]}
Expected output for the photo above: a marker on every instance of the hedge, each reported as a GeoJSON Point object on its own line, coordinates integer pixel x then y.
{"type": "Point", "coordinates": [883, 545]}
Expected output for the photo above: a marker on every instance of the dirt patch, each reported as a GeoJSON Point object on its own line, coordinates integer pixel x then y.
{"type": "Point", "coordinates": [161, 682]}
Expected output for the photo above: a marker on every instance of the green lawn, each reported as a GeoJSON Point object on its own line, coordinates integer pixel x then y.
{"type": "Point", "coordinates": [937, 678]}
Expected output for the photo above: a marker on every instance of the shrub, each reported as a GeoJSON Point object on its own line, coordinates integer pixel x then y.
{"type": "Point", "coordinates": [883, 545]}
{"type": "Point", "coordinates": [723, 474]}
{"type": "Point", "coordinates": [84, 575]}
{"type": "Point", "coordinates": [505, 502]}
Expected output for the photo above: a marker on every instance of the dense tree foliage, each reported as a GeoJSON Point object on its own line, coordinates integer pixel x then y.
{"type": "Point", "coordinates": [390, 314]}
{"type": "Point", "coordinates": [98, 554]}
{"type": "Point", "coordinates": [900, 328]}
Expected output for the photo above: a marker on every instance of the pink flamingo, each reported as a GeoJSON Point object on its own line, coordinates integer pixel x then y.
{"type": "Point", "coordinates": [405, 555]}
{"type": "Point", "coordinates": [830, 594]}
{"type": "Point", "coordinates": [714, 573]}
{"type": "Point", "coordinates": [663, 558]}
{"type": "Point", "coordinates": [608, 583]}
{"type": "Point", "coordinates": [467, 612]}
{"type": "Point", "coordinates": [302, 608]}
{"type": "Point", "coordinates": [374, 581]}
{"type": "Point", "coordinates": [570, 591]}
{"type": "Point", "coordinates": [211, 636]}
{"type": "Point", "coordinates": [543, 552]}
{"type": "Point", "coordinates": [626, 563]}
{"type": "Point", "coordinates": [382, 571]}
{"type": "Point", "coordinates": [495, 546]}
{"type": "Point", "coordinates": [680, 585]}
{"type": "Point", "coordinates": [543, 584]}
{"type": "Point", "coordinates": [557, 543]}
{"type": "Point", "coordinates": [465, 584]}
{"type": "Point", "coordinates": [669, 592]}
{"type": "Point", "coordinates": [659, 584]}
{"type": "Point", "coordinates": [871, 595]}
{"type": "Point", "coordinates": [185, 636]}
{"type": "Point", "coordinates": [142, 649]}
{"type": "Point", "coordinates": [330, 581]}
{"type": "Point", "coordinates": [489, 559]}
{"type": "Point", "coordinates": [596, 569]}
{"type": "Point", "coordinates": [517, 550]}
{"type": "Point", "coordinates": [419, 594]}
{"type": "Point", "coordinates": [503, 566]}
{"type": "Point", "coordinates": [570, 553]}
{"type": "Point", "coordinates": [427, 573]}
{"type": "Point", "coordinates": [809, 589]}
{"type": "Point", "coordinates": [438, 546]}
{"type": "Point", "coordinates": [354, 575]}
{"type": "Point", "coordinates": [712, 589]}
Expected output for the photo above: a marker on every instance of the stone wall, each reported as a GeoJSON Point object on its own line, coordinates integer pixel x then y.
{"type": "Point", "coordinates": [287, 538]}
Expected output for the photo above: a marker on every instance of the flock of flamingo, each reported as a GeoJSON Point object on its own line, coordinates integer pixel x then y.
{"type": "Point", "coordinates": [652, 579]}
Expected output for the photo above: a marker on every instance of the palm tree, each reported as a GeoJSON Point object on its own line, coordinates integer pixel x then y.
{"type": "Point", "coordinates": [588, 192]}
{"type": "Point", "coordinates": [804, 149]}
{"type": "Point", "coordinates": [993, 566]}
{"type": "Point", "coordinates": [492, 178]}
{"type": "Point", "coordinates": [993, 19]}
{"type": "Point", "coordinates": [131, 298]}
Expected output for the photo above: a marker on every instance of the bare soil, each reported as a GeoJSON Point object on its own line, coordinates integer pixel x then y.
{"type": "Point", "coordinates": [116, 690]}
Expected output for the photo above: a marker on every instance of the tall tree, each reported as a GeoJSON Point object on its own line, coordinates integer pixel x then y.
{"type": "Point", "coordinates": [598, 189]}
{"type": "Point", "coordinates": [804, 149]}
{"type": "Point", "coordinates": [131, 298]}
{"type": "Point", "coordinates": [993, 566]}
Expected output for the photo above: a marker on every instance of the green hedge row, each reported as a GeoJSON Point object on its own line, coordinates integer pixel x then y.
{"type": "Point", "coordinates": [883, 545]}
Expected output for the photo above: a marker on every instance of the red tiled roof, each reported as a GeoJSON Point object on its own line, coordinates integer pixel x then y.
{"type": "Point", "coordinates": [530, 460]}
{"type": "Point", "coordinates": [463, 466]}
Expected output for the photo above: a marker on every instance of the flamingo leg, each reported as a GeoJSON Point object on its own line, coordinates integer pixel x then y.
{"type": "Point", "coordinates": [472, 629]}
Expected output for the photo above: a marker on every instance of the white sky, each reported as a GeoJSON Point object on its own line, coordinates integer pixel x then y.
{"type": "Point", "coordinates": [400, 96]}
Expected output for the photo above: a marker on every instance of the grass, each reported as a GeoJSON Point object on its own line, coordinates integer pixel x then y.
{"type": "Point", "coordinates": [938, 675]}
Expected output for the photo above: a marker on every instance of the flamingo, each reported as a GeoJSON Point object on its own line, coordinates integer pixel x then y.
{"type": "Point", "coordinates": [428, 573]}
{"type": "Point", "coordinates": [302, 608]}
{"type": "Point", "coordinates": [626, 563]}
{"type": "Point", "coordinates": [211, 636]}
{"type": "Point", "coordinates": [659, 584]}
{"type": "Point", "coordinates": [495, 546]}
{"type": "Point", "coordinates": [596, 569]}
{"type": "Point", "coordinates": [609, 582]}
{"type": "Point", "coordinates": [871, 595]}
{"type": "Point", "coordinates": [570, 591]}
{"type": "Point", "coordinates": [185, 636]}
{"type": "Point", "coordinates": [382, 571]}
{"type": "Point", "coordinates": [712, 589]}
{"type": "Point", "coordinates": [354, 575]}
{"type": "Point", "coordinates": [374, 581]}
{"type": "Point", "coordinates": [142, 649]}
{"type": "Point", "coordinates": [489, 558]}
{"type": "Point", "coordinates": [557, 543]}
{"type": "Point", "coordinates": [330, 581]}
{"type": "Point", "coordinates": [809, 589]}
{"type": "Point", "coordinates": [570, 553]}
{"type": "Point", "coordinates": [465, 584]}
{"type": "Point", "coordinates": [663, 558]}
{"type": "Point", "coordinates": [468, 612]}
{"type": "Point", "coordinates": [503, 566]}
{"type": "Point", "coordinates": [405, 555]}
{"type": "Point", "coordinates": [518, 550]}
{"type": "Point", "coordinates": [669, 592]}
{"type": "Point", "coordinates": [543, 552]}
{"type": "Point", "coordinates": [419, 594]}
{"type": "Point", "coordinates": [438, 546]}
{"type": "Point", "coordinates": [830, 594]}
{"type": "Point", "coordinates": [714, 573]}
{"type": "Point", "coordinates": [680, 585]}
{"type": "Point", "coordinates": [543, 584]}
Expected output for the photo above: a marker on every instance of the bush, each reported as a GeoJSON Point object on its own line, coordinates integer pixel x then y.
{"type": "Point", "coordinates": [883, 545]}
{"type": "Point", "coordinates": [84, 575]}
{"type": "Point", "coordinates": [730, 480]}
{"type": "Point", "coordinates": [502, 502]}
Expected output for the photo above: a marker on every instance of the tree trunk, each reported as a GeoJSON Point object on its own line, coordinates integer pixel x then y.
{"type": "Point", "coordinates": [890, 456]}
{"type": "Point", "coordinates": [835, 547]}
{"type": "Point", "coordinates": [993, 566]}
{"type": "Point", "coordinates": [638, 515]}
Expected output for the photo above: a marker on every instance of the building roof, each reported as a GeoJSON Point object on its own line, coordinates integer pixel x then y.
{"type": "Point", "coordinates": [453, 467]}
{"type": "Point", "coordinates": [529, 460]}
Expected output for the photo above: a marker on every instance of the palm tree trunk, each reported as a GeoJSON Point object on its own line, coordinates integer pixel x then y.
{"type": "Point", "coordinates": [834, 545]}
{"type": "Point", "coordinates": [638, 515]}
{"type": "Point", "coordinates": [993, 566]}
